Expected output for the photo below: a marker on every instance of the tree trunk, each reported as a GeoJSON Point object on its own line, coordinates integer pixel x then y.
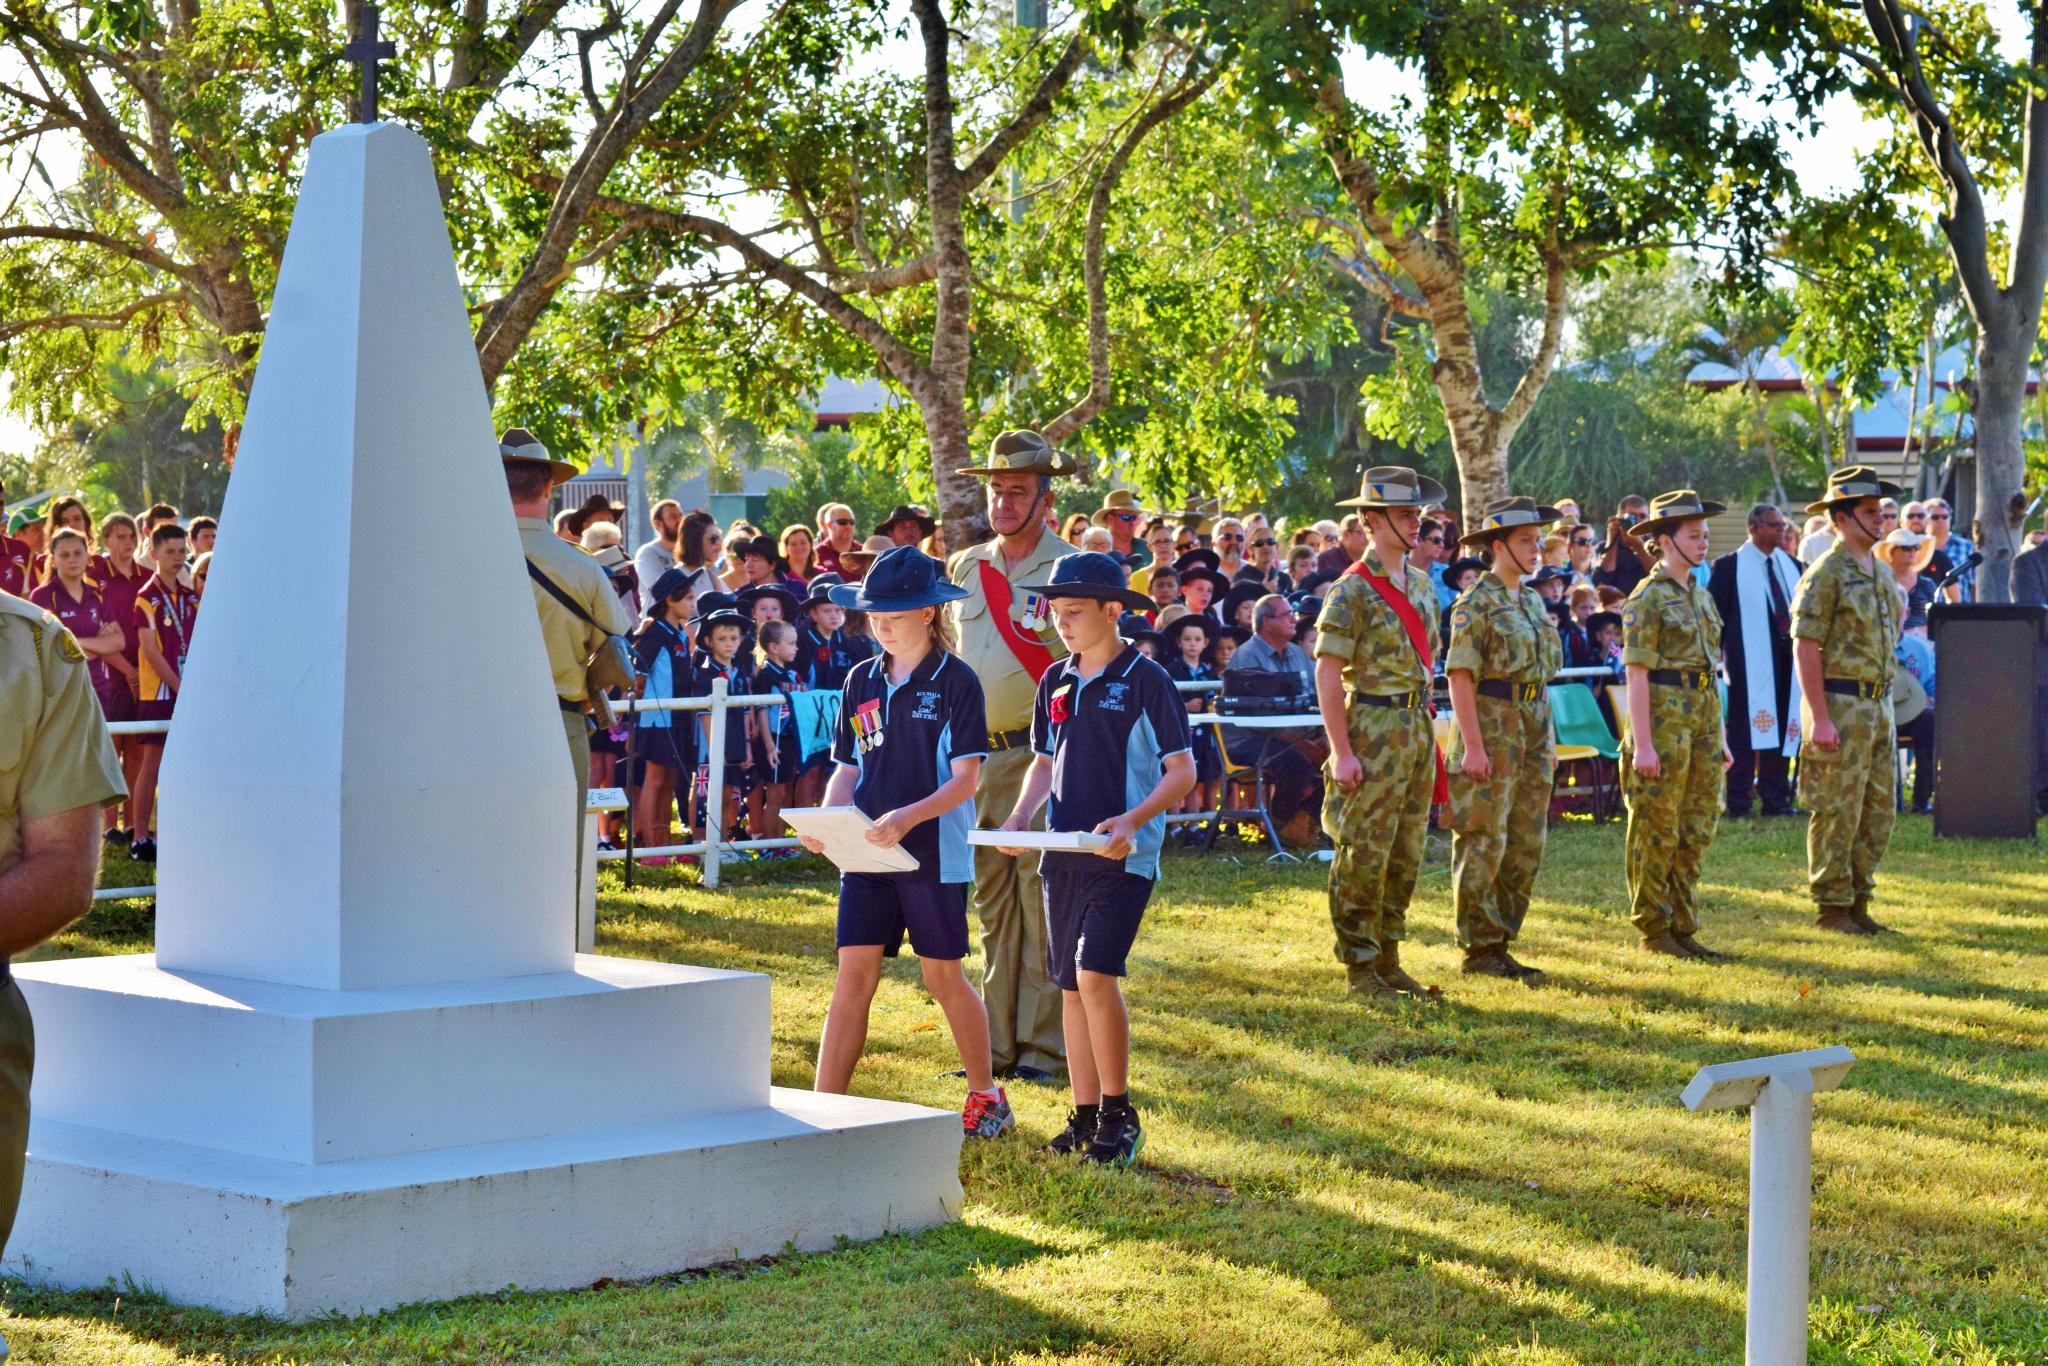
{"type": "Point", "coordinates": [1999, 415]}
{"type": "Point", "coordinates": [1481, 448]}
{"type": "Point", "coordinates": [943, 407]}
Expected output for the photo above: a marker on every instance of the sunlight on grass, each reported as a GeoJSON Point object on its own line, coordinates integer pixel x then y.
{"type": "Point", "coordinates": [1504, 1177]}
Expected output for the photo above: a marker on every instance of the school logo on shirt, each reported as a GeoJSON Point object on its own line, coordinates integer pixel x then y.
{"type": "Point", "coordinates": [867, 725]}
{"type": "Point", "coordinates": [1113, 696]}
{"type": "Point", "coordinates": [927, 708]}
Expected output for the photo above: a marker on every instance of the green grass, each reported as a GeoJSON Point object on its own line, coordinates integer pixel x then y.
{"type": "Point", "coordinates": [1505, 1177]}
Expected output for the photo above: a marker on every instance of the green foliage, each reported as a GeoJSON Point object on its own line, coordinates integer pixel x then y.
{"type": "Point", "coordinates": [139, 446]}
{"type": "Point", "coordinates": [842, 467]}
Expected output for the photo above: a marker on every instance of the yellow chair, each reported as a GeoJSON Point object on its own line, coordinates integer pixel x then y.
{"type": "Point", "coordinates": [1617, 698]}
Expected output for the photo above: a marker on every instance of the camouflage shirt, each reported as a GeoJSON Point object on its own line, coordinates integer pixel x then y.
{"type": "Point", "coordinates": [1669, 624]}
{"type": "Point", "coordinates": [1498, 634]}
{"type": "Point", "coordinates": [1357, 626]}
{"type": "Point", "coordinates": [1852, 611]}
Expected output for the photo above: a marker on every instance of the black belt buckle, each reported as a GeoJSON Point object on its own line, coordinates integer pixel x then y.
{"type": "Point", "coordinates": [1406, 701]}
{"type": "Point", "coordinates": [1000, 740]}
{"type": "Point", "coordinates": [1528, 692]}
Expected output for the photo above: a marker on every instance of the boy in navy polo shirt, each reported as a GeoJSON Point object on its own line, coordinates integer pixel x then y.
{"type": "Point", "coordinates": [908, 748]}
{"type": "Point", "coordinates": [1111, 736]}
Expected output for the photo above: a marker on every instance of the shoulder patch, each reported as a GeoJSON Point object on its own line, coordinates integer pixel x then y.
{"type": "Point", "coordinates": [67, 647]}
{"type": "Point", "coordinates": [1461, 617]}
{"type": "Point", "coordinates": [1628, 616]}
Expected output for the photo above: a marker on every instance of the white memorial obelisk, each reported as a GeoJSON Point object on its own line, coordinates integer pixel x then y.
{"type": "Point", "coordinates": [365, 1065]}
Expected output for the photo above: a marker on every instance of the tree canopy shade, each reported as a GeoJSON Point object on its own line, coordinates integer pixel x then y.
{"type": "Point", "coordinates": [1535, 144]}
{"type": "Point", "coordinates": [1977, 122]}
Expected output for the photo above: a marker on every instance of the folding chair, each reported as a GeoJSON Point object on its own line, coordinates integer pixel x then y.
{"type": "Point", "coordinates": [1238, 774]}
{"type": "Point", "coordinates": [1584, 745]}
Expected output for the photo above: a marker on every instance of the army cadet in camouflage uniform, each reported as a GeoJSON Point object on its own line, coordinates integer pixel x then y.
{"type": "Point", "coordinates": [1845, 624]}
{"type": "Point", "coordinates": [1503, 759]}
{"type": "Point", "coordinates": [1675, 753]}
{"type": "Point", "coordinates": [1372, 686]}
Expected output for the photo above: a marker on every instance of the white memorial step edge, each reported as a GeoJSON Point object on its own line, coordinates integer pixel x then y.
{"type": "Point", "coordinates": [253, 1235]}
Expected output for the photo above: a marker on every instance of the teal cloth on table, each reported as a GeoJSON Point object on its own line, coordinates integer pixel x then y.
{"type": "Point", "coordinates": [816, 713]}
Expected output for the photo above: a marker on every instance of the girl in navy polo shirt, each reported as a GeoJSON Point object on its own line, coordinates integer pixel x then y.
{"type": "Point", "coordinates": [1111, 738]}
{"type": "Point", "coordinates": [908, 749]}
{"type": "Point", "coordinates": [665, 742]}
{"type": "Point", "coordinates": [720, 635]}
{"type": "Point", "coordinates": [778, 754]}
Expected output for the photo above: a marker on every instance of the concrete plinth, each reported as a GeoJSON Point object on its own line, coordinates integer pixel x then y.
{"type": "Point", "coordinates": [256, 1235]}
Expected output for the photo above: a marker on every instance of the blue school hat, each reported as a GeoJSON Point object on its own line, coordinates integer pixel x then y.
{"type": "Point", "coordinates": [1091, 574]}
{"type": "Point", "coordinates": [901, 580]}
{"type": "Point", "coordinates": [709, 603]}
{"type": "Point", "coordinates": [1133, 627]}
{"type": "Point", "coordinates": [671, 582]}
{"type": "Point", "coordinates": [821, 589]}
{"type": "Point", "coordinates": [724, 616]}
{"type": "Point", "coordinates": [790, 601]}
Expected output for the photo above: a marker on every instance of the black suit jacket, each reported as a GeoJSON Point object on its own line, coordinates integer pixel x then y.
{"type": "Point", "coordinates": [1721, 587]}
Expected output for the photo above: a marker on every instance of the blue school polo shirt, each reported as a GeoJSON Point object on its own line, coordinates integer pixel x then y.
{"type": "Point", "coordinates": [1108, 739]}
{"type": "Point", "coordinates": [665, 659]}
{"type": "Point", "coordinates": [903, 739]}
{"type": "Point", "coordinates": [826, 659]}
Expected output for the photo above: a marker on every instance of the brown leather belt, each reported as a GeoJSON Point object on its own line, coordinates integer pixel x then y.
{"type": "Point", "coordinates": [1682, 678]}
{"type": "Point", "coordinates": [1000, 740]}
{"type": "Point", "coordinates": [1509, 692]}
{"type": "Point", "coordinates": [1856, 687]}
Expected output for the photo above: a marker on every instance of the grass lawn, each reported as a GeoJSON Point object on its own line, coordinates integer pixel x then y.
{"type": "Point", "coordinates": [1507, 1176]}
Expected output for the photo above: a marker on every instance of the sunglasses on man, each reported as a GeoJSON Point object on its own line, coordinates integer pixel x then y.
{"type": "Point", "coordinates": [1432, 540]}
{"type": "Point", "coordinates": [1228, 539]}
{"type": "Point", "coordinates": [1123, 516]}
{"type": "Point", "coordinates": [1257, 544]}
{"type": "Point", "coordinates": [842, 521]}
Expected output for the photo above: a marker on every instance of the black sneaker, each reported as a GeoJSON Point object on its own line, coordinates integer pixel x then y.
{"type": "Point", "coordinates": [1076, 1137]}
{"type": "Point", "coordinates": [119, 838]}
{"type": "Point", "coordinates": [143, 850]}
{"type": "Point", "coordinates": [1118, 1140]}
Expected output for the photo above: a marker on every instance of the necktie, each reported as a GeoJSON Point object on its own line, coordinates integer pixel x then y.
{"type": "Point", "coordinates": [1781, 614]}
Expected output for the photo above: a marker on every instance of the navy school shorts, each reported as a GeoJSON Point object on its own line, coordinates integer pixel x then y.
{"type": "Point", "coordinates": [878, 908]}
{"type": "Point", "coordinates": [1091, 921]}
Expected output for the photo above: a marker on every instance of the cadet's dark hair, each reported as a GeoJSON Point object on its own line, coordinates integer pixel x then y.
{"type": "Point", "coordinates": [527, 479]}
{"type": "Point", "coordinates": [169, 531]}
{"type": "Point", "coordinates": [1600, 621]}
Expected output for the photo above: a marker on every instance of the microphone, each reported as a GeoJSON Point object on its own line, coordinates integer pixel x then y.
{"type": "Point", "coordinates": [1976, 558]}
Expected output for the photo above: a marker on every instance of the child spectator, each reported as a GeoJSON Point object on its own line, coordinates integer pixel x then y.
{"type": "Point", "coordinates": [165, 613]}
{"type": "Point", "coordinates": [907, 752]}
{"type": "Point", "coordinates": [1164, 586]}
{"type": "Point", "coordinates": [1107, 727]}
{"type": "Point", "coordinates": [719, 633]}
{"type": "Point", "coordinates": [1186, 641]}
{"type": "Point", "coordinates": [72, 598]}
{"type": "Point", "coordinates": [664, 742]}
{"type": "Point", "coordinates": [778, 754]}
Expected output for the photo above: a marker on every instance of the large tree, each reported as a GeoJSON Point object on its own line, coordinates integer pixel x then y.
{"type": "Point", "coordinates": [189, 123]}
{"type": "Point", "coordinates": [1528, 146]}
{"type": "Point", "coordinates": [1978, 121]}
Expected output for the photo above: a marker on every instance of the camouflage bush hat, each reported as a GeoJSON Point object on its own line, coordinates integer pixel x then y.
{"type": "Point", "coordinates": [1504, 515]}
{"type": "Point", "coordinates": [1852, 484]}
{"type": "Point", "coordinates": [1667, 510]}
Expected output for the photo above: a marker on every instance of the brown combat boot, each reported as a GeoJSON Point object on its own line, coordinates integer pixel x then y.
{"type": "Point", "coordinates": [1366, 983]}
{"type": "Point", "coordinates": [1840, 919]}
{"type": "Point", "coordinates": [1490, 960]}
{"type": "Point", "coordinates": [1860, 913]}
{"type": "Point", "coordinates": [1530, 976]}
{"type": "Point", "coordinates": [1388, 966]}
{"type": "Point", "coordinates": [1699, 950]}
{"type": "Point", "coordinates": [1666, 943]}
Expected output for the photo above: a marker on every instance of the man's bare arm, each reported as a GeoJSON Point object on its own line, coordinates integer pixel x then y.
{"type": "Point", "coordinates": [53, 884]}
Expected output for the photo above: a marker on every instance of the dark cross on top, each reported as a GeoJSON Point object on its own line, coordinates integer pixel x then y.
{"type": "Point", "coordinates": [366, 51]}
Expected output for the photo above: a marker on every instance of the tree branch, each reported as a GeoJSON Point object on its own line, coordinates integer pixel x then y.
{"type": "Point", "coordinates": [1427, 263]}
{"type": "Point", "coordinates": [89, 322]}
{"type": "Point", "coordinates": [1027, 118]}
{"type": "Point", "coordinates": [139, 252]}
{"type": "Point", "coordinates": [1530, 385]}
{"type": "Point", "coordinates": [1098, 395]}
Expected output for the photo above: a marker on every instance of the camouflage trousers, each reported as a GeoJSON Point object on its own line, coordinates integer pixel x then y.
{"type": "Point", "coordinates": [1378, 829]}
{"type": "Point", "coordinates": [1850, 793]}
{"type": "Point", "coordinates": [1671, 817]}
{"type": "Point", "coordinates": [1498, 825]}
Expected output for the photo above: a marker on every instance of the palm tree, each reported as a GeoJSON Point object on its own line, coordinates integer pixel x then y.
{"type": "Point", "coordinates": [704, 437]}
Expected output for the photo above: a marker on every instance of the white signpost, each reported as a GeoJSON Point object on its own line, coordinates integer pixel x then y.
{"type": "Point", "coordinates": [366, 1064]}
{"type": "Point", "coordinates": [1779, 1091]}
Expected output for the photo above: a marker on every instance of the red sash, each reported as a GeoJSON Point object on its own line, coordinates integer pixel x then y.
{"type": "Point", "coordinates": [1030, 651]}
{"type": "Point", "coordinates": [1418, 636]}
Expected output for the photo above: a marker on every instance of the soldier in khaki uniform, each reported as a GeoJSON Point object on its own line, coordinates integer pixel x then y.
{"type": "Point", "coordinates": [1376, 639]}
{"type": "Point", "coordinates": [1845, 624]}
{"type": "Point", "coordinates": [1503, 760]}
{"type": "Point", "coordinates": [57, 771]}
{"type": "Point", "coordinates": [1675, 754]}
{"type": "Point", "coordinates": [529, 473]}
{"type": "Point", "coordinates": [1006, 637]}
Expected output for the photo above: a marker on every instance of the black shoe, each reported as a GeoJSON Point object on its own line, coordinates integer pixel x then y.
{"type": "Point", "coordinates": [1079, 1133]}
{"type": "Point", "coordinates": [1025, 1072]}
{"type": "Point", "coordinates": [1118, 1139]}
{"type": "Point", "coordinates": [143, 851]}
{"type": "Point", "coordinates": [119, 838]}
